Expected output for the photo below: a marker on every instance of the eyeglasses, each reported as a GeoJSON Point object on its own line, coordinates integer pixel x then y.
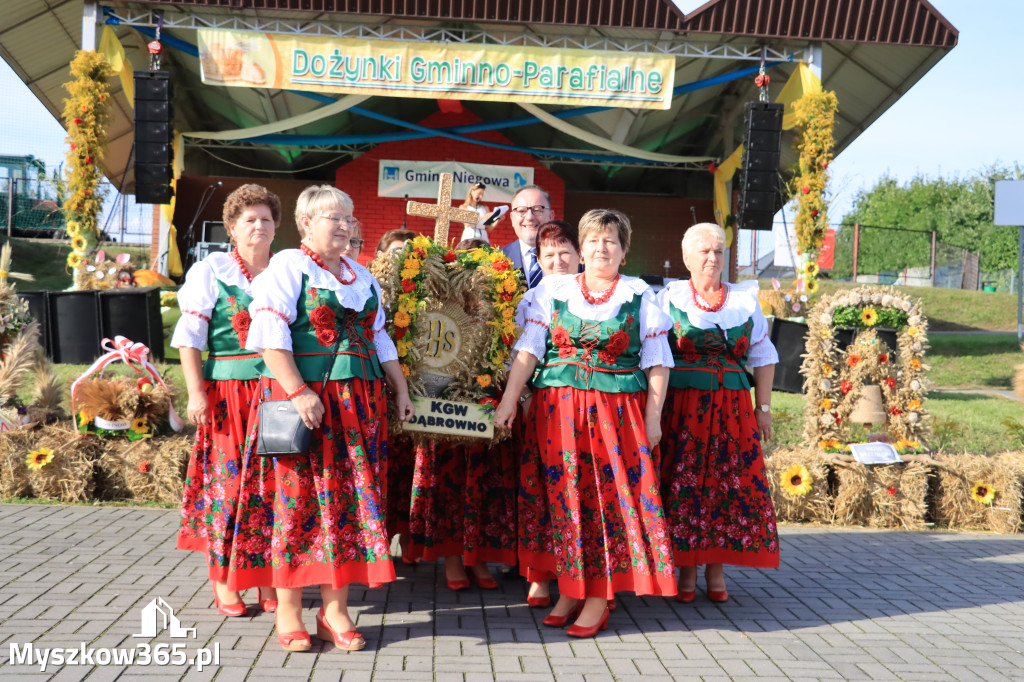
{"type": "Point", "coordinates": [337, 220]}
{"type": "Point", "coordinates": [356, 242]}
{"type": "Point", "coordinates": [522, 210]}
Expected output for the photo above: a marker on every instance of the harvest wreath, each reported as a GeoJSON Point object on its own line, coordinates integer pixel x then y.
{"type": "Point", "coordinates": [835, 377]}
{"type": "Point", "coordinates": [452, 316]}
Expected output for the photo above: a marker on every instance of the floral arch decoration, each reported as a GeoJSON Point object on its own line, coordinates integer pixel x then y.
{"type": "Point", "coordinates": [834, 377]}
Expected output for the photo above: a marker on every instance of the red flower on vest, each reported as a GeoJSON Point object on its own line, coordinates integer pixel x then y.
{"type": "Point", "coordinates": [326, 337]}
{"type": "Point", "coordinates": [688, 348]}
{"type": "Point", "coordinates": [240, 322]}
{"type": "Point", "coordinates": [322, 318]}
{"type": "Point", "coordinates": [740, 349]}
{"type": "Point", "coordinates": [560, 337]}
{"type": "Point", "coordinates": [617, 343]}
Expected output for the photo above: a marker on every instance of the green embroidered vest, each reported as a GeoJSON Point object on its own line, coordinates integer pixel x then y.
{"type": "Point", "coordinates": [227, 358]}
{"type": "Point", "coordinates": [319, 315]}
{"type": "Point", "coordinates": [603, 356]}
{"type": "Point", "coordinates": [708, 359]}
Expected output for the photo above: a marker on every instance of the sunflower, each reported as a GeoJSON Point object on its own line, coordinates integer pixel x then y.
{"type": "Point", "coordinates": [796, 480]}
{"type": "Point", "coordinates": [811, 269]}
{"type": "Point", "coordinates": [37, 459]}
{"type": "Point", "coordinates": [74, 260]}
{"type": "Point", "coordinates": [812, 286]}
{"type": "Point", "coordinates": [869, 317]}
{"type": "Point", "coordinates": [829, 445]}
{"type": "Point", "coordinates": [983, 493]}
{"type": "Point", "coordinates": [78, 243]}
{"type": "Point", "coordinates": [140, 425]}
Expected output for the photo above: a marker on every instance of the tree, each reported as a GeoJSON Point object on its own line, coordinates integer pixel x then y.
{"type": "Point", "coordinates": [959, 210]}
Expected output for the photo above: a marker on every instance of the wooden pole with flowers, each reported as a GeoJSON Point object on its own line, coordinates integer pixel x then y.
{"type": "Point", "coordinates": [815, 115]}
{"type": "Point", "coordinates": [86, 112]}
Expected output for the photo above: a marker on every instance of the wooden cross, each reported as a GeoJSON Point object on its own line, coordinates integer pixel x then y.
{"type": "Point", "coordinates": [442, 212]}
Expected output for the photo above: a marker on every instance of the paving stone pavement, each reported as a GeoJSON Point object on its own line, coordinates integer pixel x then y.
{"type": "Point", "coordinates": [849, 604]}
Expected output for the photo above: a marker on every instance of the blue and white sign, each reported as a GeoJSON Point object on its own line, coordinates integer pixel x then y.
{"type": "Point", "coordinates": [419, 179]}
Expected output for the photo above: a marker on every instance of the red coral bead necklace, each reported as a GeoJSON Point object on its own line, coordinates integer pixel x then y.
{"type": "Point", "coordinates": [714, 307]}
{"type": "Point", "coordinates": [320, 261]}
{"type": "Point", "coordinates": [241, 263]}
{"type": "Point", "coordinates": [601, 297]}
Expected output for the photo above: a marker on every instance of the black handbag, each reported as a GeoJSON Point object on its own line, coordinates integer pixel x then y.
{"type": "Point", "coordinates": [282, 431]}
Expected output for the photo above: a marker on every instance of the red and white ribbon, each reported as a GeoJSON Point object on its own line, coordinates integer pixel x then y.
{"type": "Point", "coordinates": [136, 356]}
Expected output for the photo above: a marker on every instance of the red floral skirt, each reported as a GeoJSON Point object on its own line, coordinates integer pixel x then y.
{"type": "Point", "coordinates": [317, 518]}
{"type": "Point", "coordinates": [463, 503]}
{"type": "Point", "coordinates": [717, 502]}
{"type": "Point", "coordinates": [401, 462]}
{"type": "Point", "coordinates": [214, 472]}
{"type": "Point", "coordinates": [589, 509]}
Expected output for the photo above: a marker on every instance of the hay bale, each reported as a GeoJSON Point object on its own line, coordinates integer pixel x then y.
{"type": "Point", "coordinates": [882, 496]}
{"type": "Point", "coordinates": [816, 505]}
{"type": "Point", "coordinates": [148, 470]}
{"type": "Point", "coordinates": [68, 477]}
{"type": "Point", "coordinates": [956, 507]}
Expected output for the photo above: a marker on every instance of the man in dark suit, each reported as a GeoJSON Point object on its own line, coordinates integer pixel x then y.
{"type": "Point", "coordinates": [531, 208]}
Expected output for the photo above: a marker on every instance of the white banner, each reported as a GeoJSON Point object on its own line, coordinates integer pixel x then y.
{"type": "Point", "coordinates": [420, 179]}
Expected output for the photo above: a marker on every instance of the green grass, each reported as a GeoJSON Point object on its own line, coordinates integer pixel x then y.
{"type": "Point", "coordinates": [973, 361]}
{"type": "Point", "coordinates": [949, 309]}
{"type": "Point", "coordinates": [44, 259]}
{"type": "Point", "coordinates": [962, 422]}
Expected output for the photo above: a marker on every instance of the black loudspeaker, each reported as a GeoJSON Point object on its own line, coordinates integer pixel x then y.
{"type": "Point", "coordinates": [74, 326]}
{"type": "Point", "coordinates": [788, 339]}
{"type": "Point", "coordinates": [759, 178]}
{"type": "Point", "coordinates": [37, 307]}
{"type": "Point", "coordinates": [154, 134]}
{"type": "Point", "coordinates": [134, 314]}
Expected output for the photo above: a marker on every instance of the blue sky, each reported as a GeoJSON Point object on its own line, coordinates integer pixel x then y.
{"type": "Point", "coordinates": [965, 114]}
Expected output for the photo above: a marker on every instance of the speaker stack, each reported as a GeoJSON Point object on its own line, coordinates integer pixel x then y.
{"type": "Point", "coordinates": [759, 179]}
{"type": "Point", "coordinates": [154, 149]}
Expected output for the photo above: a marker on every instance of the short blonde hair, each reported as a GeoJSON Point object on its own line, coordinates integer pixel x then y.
{"type": "Point", "coordinates": [316, 199]}
{"type": "Point", "coordinates": [699, 232]}
{"type": "Point", "coordinates": [604, 220]}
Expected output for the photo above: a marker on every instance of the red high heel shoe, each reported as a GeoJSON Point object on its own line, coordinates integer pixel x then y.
{"type": "Point", "coordinates": [268, 605]}
{"type": "Point", "coordinates": [346, 641]}
{"type": "Point", "coordinates": [458, 585]}
{"type": "Point", "coordinates": [580, 631]}
{"type": "Point", "coordinates": [294, 641]}
{"type": "Point", "coordinates": [718, 595]}
{"type": "Point", "coordinates": [612, 605]}
{"type": "Point", "coordinates": [538, 602]}
{"type": "Point", "coordinates": [686, 596]}
{"type": "Point", "coordinates": [484, 582]}
{"type": "Point", "coordinates": [228, 609]}
{"type": "Point", "coordinates": [561, 621]}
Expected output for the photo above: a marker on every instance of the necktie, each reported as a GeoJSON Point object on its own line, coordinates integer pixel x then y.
{"type": "Point", "coordinates": [533, 272]}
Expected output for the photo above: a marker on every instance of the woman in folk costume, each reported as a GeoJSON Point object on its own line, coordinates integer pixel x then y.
{"type": "Point", "coordinates": [716, 497]}
{"type": "Point", "coordinates": [317, 518]}
{"type": "Point", "coordinates": [558, 253]}
{"type": "Point", "coordinates": [590, 511]}
{"type": "Point", "coordinates": [214, 304]}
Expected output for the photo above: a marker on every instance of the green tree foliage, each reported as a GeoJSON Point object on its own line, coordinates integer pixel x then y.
{"type": "Point", "coordinates": [959, 210]}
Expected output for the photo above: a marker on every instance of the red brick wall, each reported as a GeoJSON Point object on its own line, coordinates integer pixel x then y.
{"type": "Point", "coordinates": [379, 214]}
{"type": "Point", "coordinates": [658, 225]}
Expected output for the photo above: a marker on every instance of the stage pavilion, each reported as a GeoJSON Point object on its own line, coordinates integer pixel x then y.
{"type": "Point", "coordinates": [660, 166]}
